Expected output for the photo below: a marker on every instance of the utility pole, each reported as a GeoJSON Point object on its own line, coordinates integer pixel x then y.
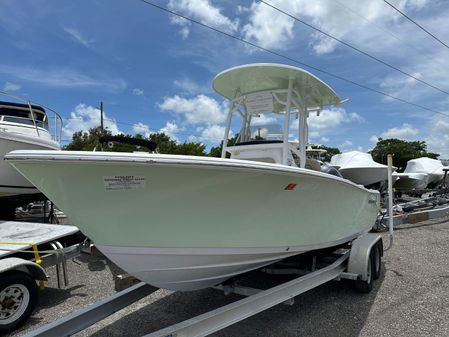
{"type": "Point", "coordinates": [101, 124]}
{"type": "Point", "coordinates": [101, 116]}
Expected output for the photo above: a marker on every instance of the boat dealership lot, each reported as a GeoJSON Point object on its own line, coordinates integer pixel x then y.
{"type": "Point", "coordinates": [410, 298]}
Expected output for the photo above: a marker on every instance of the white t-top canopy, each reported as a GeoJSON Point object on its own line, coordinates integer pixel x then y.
{"type": "Point", "coordinates": [253, 78]}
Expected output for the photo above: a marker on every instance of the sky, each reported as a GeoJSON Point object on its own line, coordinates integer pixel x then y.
{"type": "Point", "coordinates": [153, 71]}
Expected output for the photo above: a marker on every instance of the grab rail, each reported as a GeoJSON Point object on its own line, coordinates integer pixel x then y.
{"type": "Point", "coordinates": [55, 129]}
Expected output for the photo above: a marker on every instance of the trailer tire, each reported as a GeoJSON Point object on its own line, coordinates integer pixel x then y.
{"type": "Point", "coordinates": [18, 297]}
{"type": "Point", "coordinates": [365, 286]}
{"type": "Point", "coordinates": [377, 259]}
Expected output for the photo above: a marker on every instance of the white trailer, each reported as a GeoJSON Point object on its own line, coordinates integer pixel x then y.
{"type": "Point", "coordinates": [23, 262]}
{"type": "Point", "coordinates": [359, 260]}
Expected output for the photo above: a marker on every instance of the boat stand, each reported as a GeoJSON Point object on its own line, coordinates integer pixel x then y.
{"type": "Point", "coordinates": [353, 262]}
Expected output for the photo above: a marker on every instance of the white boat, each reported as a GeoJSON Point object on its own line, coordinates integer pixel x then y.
{"type": "Point", "coordinates": [419, 173]}
{"type": "Point", "coordinates": [184, 223]}
{"type": "Point", "coordinates": [433, 168]}
{"type": "Point", "coordinates": [360, 168]}
{"type": "Point", "coordinates": [22, 126]}
{"type": "Point", "coordinates": [410, 181]}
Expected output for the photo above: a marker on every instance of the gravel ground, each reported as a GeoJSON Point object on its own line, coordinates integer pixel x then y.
{"type": "Point", "coordinates": [410, 299]}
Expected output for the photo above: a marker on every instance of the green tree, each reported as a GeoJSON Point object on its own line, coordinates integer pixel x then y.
{"type": "Point", "coordinates": [402, 151]}
{"type": "Point", "coordinates": [215, 151]}
{"type": "Point", "coordinates": [88, 141]}
{"type": "Point", "coordinates": [169, 146]}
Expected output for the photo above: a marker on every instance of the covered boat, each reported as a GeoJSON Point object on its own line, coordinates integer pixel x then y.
{"type": "Point", "coordinates": [360, 168]}
{"type": "Point", "coordinates": [419, 173]}
{"type": "Point", "coordinates": [185, 223]}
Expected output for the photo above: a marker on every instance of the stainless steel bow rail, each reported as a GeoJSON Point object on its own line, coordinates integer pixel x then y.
{"type": "Point", "coordinates": [360, 261]}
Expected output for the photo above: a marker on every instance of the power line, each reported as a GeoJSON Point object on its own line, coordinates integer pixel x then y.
{"type": "Point", "coordinates": [354, 48]}
{"type": "Point", "coordinates": [292, 59]}
{"type": "Point", "coordinates": [416, 47]}
{"type": "Point", "coordinates": [416, 23]}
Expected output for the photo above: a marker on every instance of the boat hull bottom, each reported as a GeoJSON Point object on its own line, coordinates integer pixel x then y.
{"type": "Point", "coordinates": [191, 270]}
{"type": "Point", "coordinates": [187, 269]}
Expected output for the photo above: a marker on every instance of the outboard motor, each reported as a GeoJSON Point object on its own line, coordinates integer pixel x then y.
{"type": "Point", "coordinates": [326, 168]}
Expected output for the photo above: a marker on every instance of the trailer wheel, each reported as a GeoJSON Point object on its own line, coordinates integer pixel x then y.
{"type": "Point", "coordinates": [377, 251]}
{"type": "Point", "coordinates": [18, 296]}
{"type": "Point", "coordinates": [366, 286]}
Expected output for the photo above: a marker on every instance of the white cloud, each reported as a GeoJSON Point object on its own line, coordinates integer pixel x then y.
{"type": "Point", "coordinates": [137, 92]}
{"type": "Point", "coordinates": [268, 27]}
{"type": "Point", "coordinates": [204, 12]}
{"type": "Point", "coordinates": [358, 22]}
{"type": "Point", "coordinates": [374, 139]}
{"type": "Point", "coordinates": [200, 109]}
{"type": "Point", "coordinates": [346, 145]}
{"type": "Point", "coordinates": [314, 135]}
{"type": "Point", "coordinates": [405, 131]}
{"type": "Point", "coordinates": [85, 117]}
{"type": "Point", "coordinates": [332, 118]}
{"type": "Point", "coordinates": [193, 139]}
{"type": "Point", "coordinates": [213, 133]}
{"type": "Point", "coordinates": [63, 77]}
{"type": "Point", "coordinates": [190, 87]}
{"type": "Point", "coordinates": [77, 36]}
{"type": "Point", "coordinates": [142, 129]}
{"type": "Point", "coordinates": [438, 137]}
{"type": "Point", "coordinates": [264, 119]}
{"type": "Point", "coordinates": [172, 129]}
{"type": "Point", "coordinates": [10, 87]}
{"type": "Point", "coordinates": [324, 44]}
{"type": "Point", "coordinates": [325, 139]}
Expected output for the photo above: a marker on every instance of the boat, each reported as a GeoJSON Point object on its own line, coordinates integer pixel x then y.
{"type": "Point", "coordinates": [360, 168]}
{"type": "Point", "coordinates": [185, 223]}
{"type": "Point", "coordinates": [409, 181]}
{"type": "Point", "coordinates": [22, 126]}
{"type": "Point", "coordinates": [420, 173]}
{"type": "Point", "coordinates": [432, 167]}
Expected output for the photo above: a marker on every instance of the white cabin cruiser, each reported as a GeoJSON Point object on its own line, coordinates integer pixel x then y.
{"type": "Point", "coordinates": [360, 168]}
{"type": "Point", "coordinates": [22, 126]}
{"type": "Point", "coordinates": [212, 218]}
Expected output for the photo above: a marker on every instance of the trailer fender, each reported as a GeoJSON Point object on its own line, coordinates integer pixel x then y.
{"type": "Point", "coordinates": [360, 253]}
{"type": "Point", "coordinates": [32, 268]}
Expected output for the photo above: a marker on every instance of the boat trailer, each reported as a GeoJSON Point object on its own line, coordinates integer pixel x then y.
{"type": "Point", "coordinates": [359, 260]}
{"type": "Point", "coordinates": [434, 205]}
{"type": "Point", "coordinates": [26, 249]}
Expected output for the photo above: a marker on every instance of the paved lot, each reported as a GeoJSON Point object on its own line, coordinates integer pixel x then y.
{"type": "Point", "coordinates": [410, 299]}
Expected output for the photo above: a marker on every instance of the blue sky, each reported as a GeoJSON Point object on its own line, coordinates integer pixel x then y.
{"type": "Point", "coordinates": [153, 71]}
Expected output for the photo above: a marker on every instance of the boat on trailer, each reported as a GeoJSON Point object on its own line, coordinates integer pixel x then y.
{"type": "Point", "coordinates": [419, 173]}
{"type": "Point", "coordinates": [360, 168]}
{"type": "Point", "coordinates": [184, 223]}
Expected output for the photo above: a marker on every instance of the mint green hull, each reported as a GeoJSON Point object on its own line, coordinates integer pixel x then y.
{"type": "Point", "coordinates": [204, 206]}
{"type": "Point", "coordinates": [186, 223]}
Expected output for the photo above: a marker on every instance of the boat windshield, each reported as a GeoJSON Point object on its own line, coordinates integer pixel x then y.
{"type": "Point", "coordinates": [266, 132]}
{"type": "Point", "coordinates": [262, 128]}
{"type": "Point", "coordinates": [23, 116]}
